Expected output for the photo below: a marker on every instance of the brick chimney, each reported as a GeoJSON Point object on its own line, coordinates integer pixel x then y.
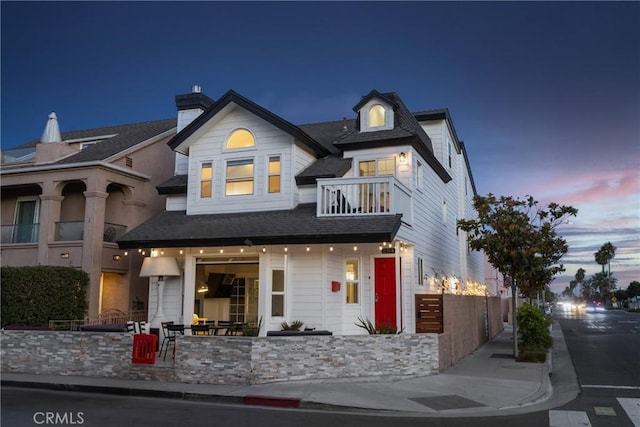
{"type": "Point", "coordinates": [191, 105]}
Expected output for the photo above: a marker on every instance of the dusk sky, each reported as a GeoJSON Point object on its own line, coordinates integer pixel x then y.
{"type": "Point", "coordinates": [545, 95]}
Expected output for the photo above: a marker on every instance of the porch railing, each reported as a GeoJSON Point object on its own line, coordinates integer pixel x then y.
{"type": "Point", "coordinates": [74, 230]}
{"type": "Point", "coordinates": [107, 317]}
{"type": "Point", "coordinates": [379, 195]}
{"type": "Point", "coordinates": [19, 233]}
{"type": "Point", "coordinates": [69, 230]}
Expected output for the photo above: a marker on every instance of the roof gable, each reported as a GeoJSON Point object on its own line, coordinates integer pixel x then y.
{"type": "Point", "coordinates": [183, 139]}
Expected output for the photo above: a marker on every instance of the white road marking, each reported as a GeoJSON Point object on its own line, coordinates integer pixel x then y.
{"type": "Point", "coordinates": [568, 419]}
{"type": "Point", "coordinates": [632, 408]}
{"type": "Point", "coordinates": [621, 387]}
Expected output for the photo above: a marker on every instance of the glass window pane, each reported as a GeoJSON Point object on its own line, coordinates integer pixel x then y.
{"type": "Point", "coordinates": [241, 138]}
{"type": "Point", "coordinates": [277, 305]}
{"type": "Point", "coordinates": [352, 293]}
{"type": "Point", "coordinates": [376, 115]}
{"type": "Point", "coordinates": [368, 168]}
{"type": "Point", "coordinates": [352, 270]}
{"type": "Point", "coordinates": [240, 169]}
{"type": "Point", "coordinates": [205, 189]}
{"type": "Point", "coordinates": [206, 171]}
{"type": "Point", "coordinates": [386, 167]}
{"type": "Point", "coordinates": [274, 165]}
{"type": "Point", "coordinates": [274, 184]}
{"type": "Point", "coordinates": [277, 280]}
{"type": "Point", "coordinates": [238, 188]}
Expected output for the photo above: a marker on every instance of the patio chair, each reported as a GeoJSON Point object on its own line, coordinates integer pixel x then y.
{"type": "Point", "coordinates": [173, 330]}
{"type": "Point", "coordinates": [167, 337]}
{"type": "Point", "coordinates": [202, 329]}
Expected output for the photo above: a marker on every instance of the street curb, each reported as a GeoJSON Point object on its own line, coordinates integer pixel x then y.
{"type": "Point", "coordinates": [122, 391]}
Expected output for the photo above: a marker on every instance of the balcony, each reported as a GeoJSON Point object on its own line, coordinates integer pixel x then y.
{"type": "Point", "coordinates": [19, 233]}
{"type": "Point", "coordinates": [69, 231]}
{"type": "Point", "coordinates": [74, 230]}
{"type": "Point", "coordinates": [376, 195]}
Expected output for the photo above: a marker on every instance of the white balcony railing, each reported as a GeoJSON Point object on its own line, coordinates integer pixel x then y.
{"type": "Point", "coordinates": [376, 195]}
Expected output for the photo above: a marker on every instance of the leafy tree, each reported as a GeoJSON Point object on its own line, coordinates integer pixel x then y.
{"type": "Point", "coordinates": [519, 239]}
{"type": "Point", "coordinates": [603, 284]}
{"type": "Point", "coordinates": [633, 290]}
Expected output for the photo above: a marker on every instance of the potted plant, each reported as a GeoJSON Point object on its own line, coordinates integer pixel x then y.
{"type": "Point", "coordinates": [294, 326]}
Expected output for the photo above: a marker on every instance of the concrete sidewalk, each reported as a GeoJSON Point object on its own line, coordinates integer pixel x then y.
{"type": "Point", "coordinates": [487, 382]}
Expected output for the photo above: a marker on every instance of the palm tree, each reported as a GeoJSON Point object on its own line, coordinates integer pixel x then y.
{"type": "Point", "coordinates": [601, 258]}
{"type": "Point", "coordinates": [610, 252]}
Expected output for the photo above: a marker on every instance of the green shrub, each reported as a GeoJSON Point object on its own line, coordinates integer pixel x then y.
{"type": "Point", "coordinates": [384, 328]}
{"type": "Point", "coordinates": [252, 329]}
{"type": "Point", "coordinates": [31, 296]}
{"type": "Point", "coordinates": [533, 333]}
{"type": "Point", "coordinates": [294, 326]}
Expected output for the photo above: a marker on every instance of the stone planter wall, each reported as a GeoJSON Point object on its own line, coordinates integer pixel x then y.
{"type": "Point", "coordinates": [223, 360]}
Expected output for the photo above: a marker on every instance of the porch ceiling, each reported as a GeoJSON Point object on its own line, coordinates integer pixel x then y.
{"type": "Point", "coordinates": [296, 226]}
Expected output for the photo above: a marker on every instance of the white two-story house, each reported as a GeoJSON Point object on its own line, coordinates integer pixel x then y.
{"type": "Point", "coordinates": [323, 223]}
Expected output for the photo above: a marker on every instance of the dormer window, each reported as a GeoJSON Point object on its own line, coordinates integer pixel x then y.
{"type": "Point", "coordinates": [240, 138]}
{"type": "Point", "coordinates": [376, 116]}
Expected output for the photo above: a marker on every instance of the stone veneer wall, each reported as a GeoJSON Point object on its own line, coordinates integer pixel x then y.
{"type": "Point", "coordinates": [223, 360]}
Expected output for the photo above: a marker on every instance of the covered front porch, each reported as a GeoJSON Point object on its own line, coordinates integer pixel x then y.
{"type": "Point", "coordinates": [327, 287]}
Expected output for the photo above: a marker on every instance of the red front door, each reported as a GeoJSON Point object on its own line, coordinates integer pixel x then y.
{"type": "Point", "coordinates": [385, 296]}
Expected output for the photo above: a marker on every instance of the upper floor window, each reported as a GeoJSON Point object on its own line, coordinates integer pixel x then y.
{"type": "Point", "coordinates": [25, 228]}
{"type": "Point", "coordinates": [274, 174]}
{"type": "Point", "coordinates": [240, 138]}
{"type": "Point", "coordinates": [380, 167]}
{"type": "Point", "coordinates": [239, 177]}
{"type": "Point", "coordinates": [206, 175]}
{"type": "Point", "coordinates": [376, 116]}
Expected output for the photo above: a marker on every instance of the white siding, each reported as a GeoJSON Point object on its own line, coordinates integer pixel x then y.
{"type": "Point", "coordinates": [176, 203]}
{"type": "Point", "coordinates": [270, 141]}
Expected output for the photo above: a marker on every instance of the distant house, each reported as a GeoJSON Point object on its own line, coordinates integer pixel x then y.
{"type": "Point", "coordinates": [323, 223]}
{"type": "Point", "coordinates": [67, 197]}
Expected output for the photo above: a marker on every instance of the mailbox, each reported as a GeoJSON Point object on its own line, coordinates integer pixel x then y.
{"type": "Point", "coordinates": [335, 286]}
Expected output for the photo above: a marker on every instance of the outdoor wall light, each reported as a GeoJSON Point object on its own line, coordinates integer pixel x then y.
{"type": "Point", "coordinates": [64, 255]}
{"type": "Point", "coordinates": [116, 257]}
{"type": "Point", "coordinates": [403, 157]}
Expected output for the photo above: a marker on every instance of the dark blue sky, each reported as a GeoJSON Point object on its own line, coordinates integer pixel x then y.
{"type": "Point", "coordinates": [546, 95]}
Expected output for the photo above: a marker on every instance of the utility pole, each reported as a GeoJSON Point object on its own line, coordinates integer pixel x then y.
{"type": "Point", "coordinates": [514, 309]}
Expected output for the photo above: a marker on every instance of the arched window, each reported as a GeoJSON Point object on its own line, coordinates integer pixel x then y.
{"type": "Point", "coordinates": [376, 116]}
{"type": "Point", "coordinates": [240, 138]}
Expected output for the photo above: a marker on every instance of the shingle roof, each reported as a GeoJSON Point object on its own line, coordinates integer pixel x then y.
{"type": "Point", "coordinates": [235, 98]}
{"type": "Point", "coordinates": [296, 226]}
{"type": "Point", "coordinates": [177, 184]}
{"type": "Point", "coordinates": [333, 166]}
{"type": "Point", "coordinates": [126, 136]}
